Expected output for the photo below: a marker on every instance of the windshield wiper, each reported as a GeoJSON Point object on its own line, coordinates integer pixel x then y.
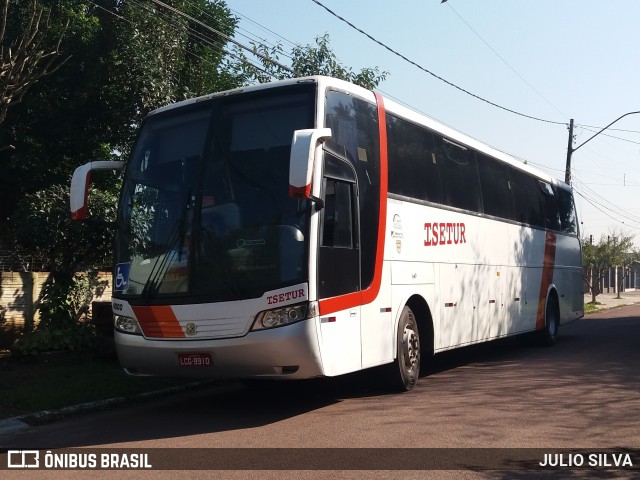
{"type": "Point", "coordinates": [175, 241]}
{"type": "Point", "coordinates": [161, 264]}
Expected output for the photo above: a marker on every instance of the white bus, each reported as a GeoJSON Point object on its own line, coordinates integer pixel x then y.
{"type": "Point", "coordinates": [310, 227]}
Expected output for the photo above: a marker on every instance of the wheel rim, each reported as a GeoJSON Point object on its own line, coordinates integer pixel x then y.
{"type": "Point", "coordinates": [553, 327]}
{"type": "Point", "coordinates": [552, 323]}
{"type": "Point", "coordinates": [410, 348]}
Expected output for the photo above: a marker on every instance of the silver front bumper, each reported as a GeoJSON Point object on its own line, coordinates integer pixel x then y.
{"type": "Point", "coordinates": [285, 352]}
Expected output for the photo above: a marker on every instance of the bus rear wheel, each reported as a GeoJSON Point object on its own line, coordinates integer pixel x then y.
{"type": "Point", "coordinates": [549, 335]}
{"type": "Point", "coordinates": [402, 374]}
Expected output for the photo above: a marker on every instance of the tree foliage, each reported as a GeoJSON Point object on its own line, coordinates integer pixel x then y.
{"type": "Point", "coordinates": [42, 224]}
{"type": "Point", "coordinates": [611, 251]}
{"type": "Point", "coordinates": [127, 59]}
{"type": "Point", "coordinates": [307, 60]}
{"type": "Point", "coordinates": [162, 57]}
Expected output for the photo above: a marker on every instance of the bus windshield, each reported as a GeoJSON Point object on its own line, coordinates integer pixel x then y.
{"type": "Point", "coordinates": [205, 209]}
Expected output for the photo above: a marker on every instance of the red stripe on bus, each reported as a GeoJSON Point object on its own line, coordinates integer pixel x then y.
{"type": "Point", "coordinates": [547, 275]}
{"type": "Point", "coordinates": [158, 322]}
{"type": "Point", "coordinates": [368, 295]}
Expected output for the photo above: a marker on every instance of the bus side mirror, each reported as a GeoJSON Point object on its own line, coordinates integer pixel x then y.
{"type": "Point", "coordinates": [79, 194]}
{"type": "Point", "coordinates": [303, 149]}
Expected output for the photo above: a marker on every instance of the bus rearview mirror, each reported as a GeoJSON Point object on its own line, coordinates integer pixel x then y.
{"type": "Point", "coordinates": [79, 193]}
{"type": "Point", "coordinates": [302, 160]}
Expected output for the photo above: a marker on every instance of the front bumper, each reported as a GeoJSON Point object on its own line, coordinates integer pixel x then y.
{"type": "Point", "coordinates": [286, 352]}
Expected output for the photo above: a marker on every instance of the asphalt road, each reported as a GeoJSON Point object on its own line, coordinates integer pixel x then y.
{"type": "Point", "coordinates": [582, 394]}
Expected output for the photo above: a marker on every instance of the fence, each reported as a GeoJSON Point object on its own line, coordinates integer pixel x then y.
{"type": "Point", "coordinates": [19, 293]}
{"type": "Point", "coordinates": [19, 261]}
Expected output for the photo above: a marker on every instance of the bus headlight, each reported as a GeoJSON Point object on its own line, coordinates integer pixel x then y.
{"type": "Point", "coordinates": [279, 317]}
{"type": "Point", "coordinates": [127, 325]}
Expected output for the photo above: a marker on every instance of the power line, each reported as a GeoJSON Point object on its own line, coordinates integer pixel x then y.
{"type": "Point", "coordinates": [504, 61]}
{"type": "Point", "coordinates": [451, 84]}
{"type": "Point", "coordinates": [612, 129]}
{"type": "Point", "coordinates": [586, 127]}
{"type": "Point", "coordinates": [582, 190]}
{"type": "Point", "coordinates": [182, 28]}
{"type": "Point", "coordinates": [225, 36]}
{"type": "Point", "coordinates": [592, 192]}
{"type": "Point", "coordinates": [264, 28]}
{"type": "Point", "coordinates": [253, 37]}
{"type": "Point", "coordinates": [588, 200]}
{"type": "Point", "coordinates": [592, 130]}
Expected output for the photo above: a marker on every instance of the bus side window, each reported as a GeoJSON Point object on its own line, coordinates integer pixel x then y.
{"type": "Point", "coordinates": [337, 225]}
{"type": "Point", "coordinates": [568, 220]}
{"type": "Point", "coordinates": [413, 165]}
{"type": "Point", "coordinates": [551, 207]}
{"type": "Point", "coordinates": [494, 182]}
{"type": "Point", "coordinates": [459, 175]}
{"type": "Point", "coordinates": [527, 198]}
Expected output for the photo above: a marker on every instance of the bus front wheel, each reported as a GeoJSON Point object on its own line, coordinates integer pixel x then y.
{"type": "Point", "coordinates": [403, 373]}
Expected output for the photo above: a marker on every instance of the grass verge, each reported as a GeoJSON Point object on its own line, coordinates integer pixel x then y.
{"type": "Point", "coordinates": [29, 386]}
{"type": "Point", "coordinates": [592, 307]}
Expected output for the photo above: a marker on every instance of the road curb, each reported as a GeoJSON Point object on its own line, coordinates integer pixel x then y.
{"type": "Point", "coordinates": [23, 422]}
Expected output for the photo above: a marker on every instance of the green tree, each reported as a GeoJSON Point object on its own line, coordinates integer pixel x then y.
{"type": "Point", "coordinates": [127, 58]}
{"type": "Point", "coordinates": [23, 59]}
{"type": "Point", "coordinates": [611, 251]}
{"type": "Point", "coordinates": [307, 60]}
{"type": "Point", "coordinates": [161, 56]}
{"type": "Point", "coordinates": [42, 225]}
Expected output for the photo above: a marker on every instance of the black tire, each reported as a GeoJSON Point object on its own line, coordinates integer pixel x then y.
{"type": "Point", "coordinates": [549, 335]}
{"type": "Point", "coordinates": [402, 375]}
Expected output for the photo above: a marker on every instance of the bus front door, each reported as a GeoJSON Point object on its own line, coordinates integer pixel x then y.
{"type": "Point", "coordinates": [339, 278]}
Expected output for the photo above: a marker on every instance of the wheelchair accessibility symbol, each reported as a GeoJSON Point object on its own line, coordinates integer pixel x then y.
{"type": "Point", "coordinates": [121, 277]}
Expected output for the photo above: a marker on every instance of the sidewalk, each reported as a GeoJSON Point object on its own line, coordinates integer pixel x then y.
{"type": "Point", "coordinates": [610, 300]}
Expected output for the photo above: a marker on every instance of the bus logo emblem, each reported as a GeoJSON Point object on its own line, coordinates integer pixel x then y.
{"type": "Point", "coordinates": [191, 328]}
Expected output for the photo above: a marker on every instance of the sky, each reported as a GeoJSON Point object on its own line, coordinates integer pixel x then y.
{"type": "Point", "coordinates": [550, 59]}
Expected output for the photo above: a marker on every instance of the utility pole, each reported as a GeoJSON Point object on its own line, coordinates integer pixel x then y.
{"type": "Point", "coordinates": [570, 149]}
{"type": "Point", "coordinates": [567, 172]}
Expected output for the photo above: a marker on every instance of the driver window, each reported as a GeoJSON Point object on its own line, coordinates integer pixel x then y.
{"type": "Point", "coordinates": [337, 225]}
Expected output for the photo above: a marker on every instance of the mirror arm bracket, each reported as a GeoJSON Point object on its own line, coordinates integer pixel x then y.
{"type": "Point", "coordinates": [319, 203]}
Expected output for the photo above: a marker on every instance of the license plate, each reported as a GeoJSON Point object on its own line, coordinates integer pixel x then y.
{"type": "Point", "coordinates": [195, 359]}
